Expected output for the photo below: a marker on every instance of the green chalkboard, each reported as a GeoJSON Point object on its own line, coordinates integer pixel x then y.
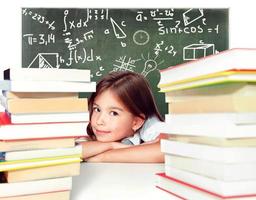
{"type": "Point", "coordinates": [104, 40]}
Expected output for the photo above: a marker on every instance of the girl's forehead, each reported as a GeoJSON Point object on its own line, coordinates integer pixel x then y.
{"type": "Point", "coordinates": [109, 99]}
{"type": "Point", "coordinates": [108, 96]}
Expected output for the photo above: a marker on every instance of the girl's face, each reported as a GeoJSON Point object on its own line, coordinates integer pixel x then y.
{"type": "Point", "coordinates": [110, 120]}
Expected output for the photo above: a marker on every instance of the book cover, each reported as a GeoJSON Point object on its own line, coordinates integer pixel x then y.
{"type": "Point", "coordinates": [38, 162]}
{"type": "Point", "coordinates": [44, 105]}
{"type": "Point", "coordinates": [225, 118]}
{"type": "Point", "coordinates": [55, 171]}
{"type": "Point", "coordinates": [42, 153]}
{"type": "Point", "coordinates": [58, 195]}
{"type": "Point", "coordinates": [21, 95]}
{"type": "Point", "coordinates": [226, 77]}
{"type": "Point", "coordinates": [9, 131]}
{"type": "Point", "coordinates": [227, 155]}
{"type": "Point", "coordinates": [184, 190]}
{"type": "Point", "coordinates": [212, 169]}
{"type": "Point", "coordinates": [213, 104]}
{"type": "Point", "coordinates": [211, 126]}
{"type": "Point", "coordinates": [223, 188]}
{"type": "Point", "coordinates": [49, 117]}
{"type": "Point", "coordinates": [47, 86]}
{"type": "Point", "coordinates": [44, 143]}
{"type": "Point", "coordinates": [214, 141]}
{"type": "Point", "coordinates": [35, 187]}
{"type": "Point", "coordinates": [232, 59]}
{"type": "Point", "coordinates": [47, 74]}
{"type": "Point", "coordinates": [227, 89]}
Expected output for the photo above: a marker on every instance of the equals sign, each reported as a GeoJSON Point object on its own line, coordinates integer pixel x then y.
{"type": "Point", "coordinates": [209, 30]}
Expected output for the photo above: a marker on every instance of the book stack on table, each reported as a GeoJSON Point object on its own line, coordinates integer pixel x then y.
{"type": "Point", "coordinates": [43, 118]}
{"type": "Point", "coordinates": [211, 127]}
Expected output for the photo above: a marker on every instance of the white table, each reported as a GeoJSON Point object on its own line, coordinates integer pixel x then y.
{"type": "Point", "coordinates": [118, 181]}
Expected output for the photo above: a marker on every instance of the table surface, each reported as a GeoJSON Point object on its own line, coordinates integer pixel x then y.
{"type": "Point", "coordinates": [118, 181]}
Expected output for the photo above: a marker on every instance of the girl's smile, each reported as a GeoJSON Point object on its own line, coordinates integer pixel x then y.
{"type": "Point", "coordinates": [111, 120]}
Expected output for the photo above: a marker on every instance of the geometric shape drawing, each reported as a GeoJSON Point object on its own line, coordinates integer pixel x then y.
{"type": "Point", "coordinates": [45, 60]}
{"type": "Point", "coordinates": [195, 51]}
{"type": "Point", "coordinates": [140, 37]}
{"type": "Point", "coordinates": [192, 15]}
{"type": "Point", "coordinates": [119, 33]}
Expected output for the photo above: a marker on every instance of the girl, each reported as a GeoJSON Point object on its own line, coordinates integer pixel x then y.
{"type": "Point", "coordinates": [124, 121]}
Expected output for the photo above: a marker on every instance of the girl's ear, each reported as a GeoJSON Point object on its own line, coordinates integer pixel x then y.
{"type": "Point", "coordinates": [137, 123]}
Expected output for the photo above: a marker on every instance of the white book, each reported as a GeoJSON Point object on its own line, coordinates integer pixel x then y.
{"type": "Point", "coordinates": [227, 155]}
{"type": "Point", "coordinates": [187, 191]}
{"type": "Point", "coordinates": [47, 74]}
{"type": "Point", "coordinates": [49, 117]}
{"type": "Point", "coordinates": [225, 118]}
{"type": "Point", "coordinates": [35, 187]}
{"type": "Point", "coordinates": [211, 125]}
{"type": "Point", "coordinates": [42, 130]}
{"type": "Point", "coordinates": [224, 188]}
{"type": "Point", "coordinates": [42, 153]}
{"type": "Point", "coordinates": [211, 169]}
{"type": "Point", "coordinates": [232, 59]}
{"type": "Point", "coordinates": [47, 86]}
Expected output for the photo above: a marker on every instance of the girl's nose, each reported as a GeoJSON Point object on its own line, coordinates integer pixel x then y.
{"type": "Point", "coordinates": [100, 120]}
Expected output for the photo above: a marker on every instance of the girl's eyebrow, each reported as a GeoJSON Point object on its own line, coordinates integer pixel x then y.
{"type": "Point", "coordinates": [111, 108]}
{"type": "Point", "coordinates": [116, 108]}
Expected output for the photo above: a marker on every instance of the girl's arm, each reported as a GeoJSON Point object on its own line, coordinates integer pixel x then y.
{"type": "Point", "coordinates": [92, 148]}
{"type": "Point", "coordinates": [146, 153]}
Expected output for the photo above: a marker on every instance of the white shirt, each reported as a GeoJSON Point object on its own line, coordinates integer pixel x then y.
{"type": "Point", "coordinates": [148, 132]}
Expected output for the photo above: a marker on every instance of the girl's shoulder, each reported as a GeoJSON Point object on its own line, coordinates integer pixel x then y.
{"type": "Point", "coordinates": [151, 129]}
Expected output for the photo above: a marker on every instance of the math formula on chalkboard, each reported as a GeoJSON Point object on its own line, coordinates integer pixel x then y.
{"type": "Point", "coordinates": [104, 40]}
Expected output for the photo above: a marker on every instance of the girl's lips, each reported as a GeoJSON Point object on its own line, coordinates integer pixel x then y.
{"type": "Point", "coordinates": [101, 132]}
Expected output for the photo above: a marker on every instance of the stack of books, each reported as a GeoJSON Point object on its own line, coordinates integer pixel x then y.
{"type": "Point", "coordinates": [211, 127]}
{"type": "Point", "coordinates": [43, 118]}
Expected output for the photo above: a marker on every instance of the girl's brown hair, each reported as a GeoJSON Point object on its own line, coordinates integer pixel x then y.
{"type": "Point", "coordinates": [132, 89]}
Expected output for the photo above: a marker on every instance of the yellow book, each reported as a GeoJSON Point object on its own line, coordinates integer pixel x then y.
{"type": "Point", "coordinates": [45, 105]}
{"type": "Point", "coordinates": [211, 79]}
{"type": "Point", "coordinates": [55, 171]}
{"type": "Point", "coordinates": [38, 162]}
{"type": "Point", "coordinates": [235, 97]}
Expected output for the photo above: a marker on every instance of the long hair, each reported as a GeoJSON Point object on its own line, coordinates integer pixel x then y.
{"type": "Point", "coordinates": [132, 89]}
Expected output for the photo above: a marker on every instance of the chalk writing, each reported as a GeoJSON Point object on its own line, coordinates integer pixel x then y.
{"type": "Point", "coordinates": [104, 40]}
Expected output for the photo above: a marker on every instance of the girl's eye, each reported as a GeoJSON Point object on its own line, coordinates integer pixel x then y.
{"type": "Point", "coordinates": [96, 109]}
{"type": "Point", "coordinates": [114, 113]}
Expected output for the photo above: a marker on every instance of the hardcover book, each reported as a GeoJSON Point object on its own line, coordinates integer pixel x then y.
{"type": "Point", "coordinates": [44, 105]}
{"type": "Point", "coordinates": [212, 169]}
{"type": "Point", "coordinates": [35, 187]}
{"type": "Point", "coordinates": [9, 131]}
{"type": "Point", "coordinates": [47, 74]}
{"type": "Point", "coordinates": [232, 59]}
{"type": "Point", "coordinates": [185, 191]}
{"type": "Point", "coordinates": [46, 86]}
{"type": "Point", "coordinates": [226, 155]}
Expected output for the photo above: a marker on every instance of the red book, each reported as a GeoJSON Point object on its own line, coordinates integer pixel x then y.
{"type": "Point", "coordinates": [184, 190]}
